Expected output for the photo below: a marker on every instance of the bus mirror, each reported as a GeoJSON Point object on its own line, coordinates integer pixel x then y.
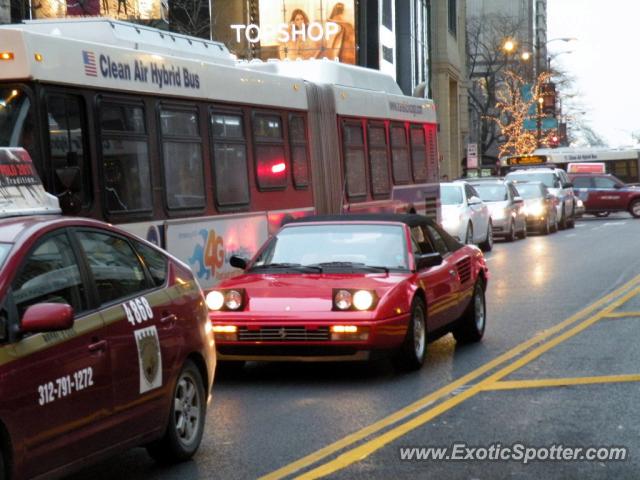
{"type": "Point", "coordinates": [70, 202]}
{"type": "Point", "coordinates": [69, 177]}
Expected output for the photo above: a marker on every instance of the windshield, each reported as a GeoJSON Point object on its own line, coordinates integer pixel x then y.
{"type": "Point", "coordinates": [15, 118]}
{"type": "Point", "coordinates": [337, 245]}
{"type": "Point", "coordinates": [450, 195]}
{"type": "Point", "coordinates": [545, 177]}
{"type": "Point", "coordinates": [491, 192]}
{"type": "Point", "coordinates": [4, 250]}
{"type": "Point", "coordinates": [532, 190]}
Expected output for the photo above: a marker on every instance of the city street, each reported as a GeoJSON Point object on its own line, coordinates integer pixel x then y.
{"type": "Point", "coordinates": [558, 365]}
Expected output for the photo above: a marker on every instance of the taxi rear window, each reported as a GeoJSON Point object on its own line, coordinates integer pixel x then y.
{"type": "Point", "coordinates": [4, 250]}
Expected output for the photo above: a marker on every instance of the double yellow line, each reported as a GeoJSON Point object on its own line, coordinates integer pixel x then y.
{"type": "Point", "coordinates": [608, 303]}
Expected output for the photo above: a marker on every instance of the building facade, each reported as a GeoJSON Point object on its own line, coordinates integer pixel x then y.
{"type": "Point", "coordinates": [449, 83]}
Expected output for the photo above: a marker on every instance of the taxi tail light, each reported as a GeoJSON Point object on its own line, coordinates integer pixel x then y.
{"type": "Point", "coordinates": [349, 333]}
{"type": "Point", "coordinates": [225, 333]}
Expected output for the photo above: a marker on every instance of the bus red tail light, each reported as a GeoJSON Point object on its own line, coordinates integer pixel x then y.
{"type": "Point", "coordinates": [6, 56]}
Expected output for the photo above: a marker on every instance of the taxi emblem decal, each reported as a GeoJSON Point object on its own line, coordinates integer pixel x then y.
{"type": "Point", "coordinates": [149, 358]}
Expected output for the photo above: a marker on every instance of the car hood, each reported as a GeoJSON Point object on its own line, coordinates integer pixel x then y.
{"type": "Point", "coordinates": [306, 292]}
{"type": "Point", "coordinates": [450, 210]}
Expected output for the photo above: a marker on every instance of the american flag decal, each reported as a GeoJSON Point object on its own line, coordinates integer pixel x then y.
{"type": "Point", "coordinates": [89, 59]}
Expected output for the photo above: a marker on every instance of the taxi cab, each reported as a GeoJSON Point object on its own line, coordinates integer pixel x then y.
{"type": "Point", "coordinates": [105, 342]}
{"type": "Point", "coordinates": [350, 287]}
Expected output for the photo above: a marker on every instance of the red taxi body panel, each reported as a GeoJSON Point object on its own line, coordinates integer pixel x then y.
{"type": "Point", "coordinates": [70, 397]}
{"type": "Point", "coordinates": [289, 315]}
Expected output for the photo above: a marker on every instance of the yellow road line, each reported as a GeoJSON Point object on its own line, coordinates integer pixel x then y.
{"type": "Point", "coordinates": [623, 314]}
{"type": "Point", "coordinates": [364, 450]}
{"type": "Point", "coordinates": [424, 402]}
{"type": "Point", "coordinates": [560, 382]}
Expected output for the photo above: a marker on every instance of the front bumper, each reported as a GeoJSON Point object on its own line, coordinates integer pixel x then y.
{"type": "Point", "coordinates": [290, 339]}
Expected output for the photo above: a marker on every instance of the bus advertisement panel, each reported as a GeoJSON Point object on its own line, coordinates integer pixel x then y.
{"type": "Point", "coordinates": [119, 9]}
{"type": "Point", "coordinates": [289, 29]}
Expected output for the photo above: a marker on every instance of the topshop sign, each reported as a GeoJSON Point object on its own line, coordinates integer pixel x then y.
{"type": "Point", "coordinates": [284, 32]}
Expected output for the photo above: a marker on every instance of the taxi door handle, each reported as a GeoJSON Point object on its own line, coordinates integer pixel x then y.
{"type": "Point", "coordinates": [168, 320]}
{"type": "Point", "coordinates": [99, 346]}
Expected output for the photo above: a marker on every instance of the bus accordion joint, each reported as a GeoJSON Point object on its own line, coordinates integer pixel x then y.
{"type": "Point", "coordinates": [6, 56]}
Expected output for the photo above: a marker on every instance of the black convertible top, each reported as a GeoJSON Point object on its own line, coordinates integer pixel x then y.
{"type": "Point", "coordinates": [410, 219]}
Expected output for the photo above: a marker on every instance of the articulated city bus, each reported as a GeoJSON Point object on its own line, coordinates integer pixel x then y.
{"type": "Point", "coordinates": [176, 141]}
{"type": "Point", "coordinates": [624, 163]}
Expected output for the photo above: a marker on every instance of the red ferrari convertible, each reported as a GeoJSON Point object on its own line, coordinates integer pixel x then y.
{"type": "Point", "coordinates": [334, 288]}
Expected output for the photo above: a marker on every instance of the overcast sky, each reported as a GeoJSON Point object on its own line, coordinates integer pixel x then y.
{"type": "Point", "coordinates": [604, 61]}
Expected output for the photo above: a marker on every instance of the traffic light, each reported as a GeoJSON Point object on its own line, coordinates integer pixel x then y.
{"type": "Point", "coordinates": [554, 141]}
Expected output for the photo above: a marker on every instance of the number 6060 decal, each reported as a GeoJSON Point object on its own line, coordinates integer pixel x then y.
{"type": "Point", "coordinates": [138, 310]}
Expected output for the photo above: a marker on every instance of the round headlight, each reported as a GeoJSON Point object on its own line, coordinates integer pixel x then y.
{"type": "Point", "coordinates": [233, 300]}
{"type": "Point", "coordinates": [215, 300]}
{"type": "Point", "coordinates": [343, 300]}
{"type": "Point", "coordinates": [362, 300]}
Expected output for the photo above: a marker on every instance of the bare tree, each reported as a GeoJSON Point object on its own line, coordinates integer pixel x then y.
{"type": "Point", "coordinates": [487, 64]}
{"type": "Point", "coordinates": [190, 17]}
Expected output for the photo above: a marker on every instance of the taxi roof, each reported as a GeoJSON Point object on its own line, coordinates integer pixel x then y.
{"type": "Point", "coordinates": [410, 219]}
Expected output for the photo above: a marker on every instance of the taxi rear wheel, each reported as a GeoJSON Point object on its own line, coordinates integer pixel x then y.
{"type": "Point", "coordinates": [413, 351]}
{"type": "Point", "coordinates": [186, 420]}
{"type": "Point", "coordinates": [472, 323]}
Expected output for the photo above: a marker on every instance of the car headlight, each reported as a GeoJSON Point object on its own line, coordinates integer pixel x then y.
{"type": "Point", "coordinates": [534, 209]}
{"type": "Point", "coordinates": [580, 203]}
{"type": "Point", "coordinates": [215, 300]}
{"type": "Point", "coordinates": [498, 213]}
{"type": "Point", "coordinates": [362, 300]}
{"type": "Point", "coordinates": [232, 299]}
{"type": "Point", "coordinates": [344, 299]}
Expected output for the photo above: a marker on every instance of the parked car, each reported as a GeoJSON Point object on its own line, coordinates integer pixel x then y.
{"type": "Point", "coordinates": [464, 215]}
{"type": "Point", "coordinates": [506, 208]}
{"type": "Point", "coordinates": [603, 193]}
{"type": "Point", "coordinates": [106, 342]}
{"type": "Point", "coordinates": [558, 184]}
{"type": "Point", "coordinates": [385, 283]}
{"type": "Point", "coordinates": [539, 206]}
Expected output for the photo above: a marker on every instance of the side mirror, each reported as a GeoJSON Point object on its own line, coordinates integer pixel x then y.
{"type": "Point", "coordinates": [474, 200]}
{"type": "Point", "coordinates": [428, 260]}
{"type": "Point", "coordinates": [567, 185]}
{"type": "Point", "coordinates": [238, 262]}
{"type": "Point", "coordinates": [518, 199]}
{"type": "Point", "coordinates": [617, 185]}
{"type": "Point", "coordinates": [47, 317]}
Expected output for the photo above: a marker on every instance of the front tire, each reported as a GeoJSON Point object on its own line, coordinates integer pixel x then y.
{"type": "Point", "coordinates": [512, 232]}
{"type": "Point", "coordinates": [468, 239]}
{"type": "Point", "coordinates": [487, 245]}
{"type": "Point", "coordinates": [634, 208]}
{"type": "Point", "coordinates": [563, 219]}
{"type": "Point", "coordinates": [413, 351]}
{"type": "Point", "coordinates": [472, 323]}
{"type": "Point", "coordinates": [523, 233]}
{"type": "Point", "coordinates": [186, 420]}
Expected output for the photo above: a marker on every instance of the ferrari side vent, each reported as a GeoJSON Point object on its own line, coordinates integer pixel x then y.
{"type": "Point", "coordinates": [464, 270]}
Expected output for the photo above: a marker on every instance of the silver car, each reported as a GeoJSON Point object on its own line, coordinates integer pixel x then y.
{"type": "Point", "coordinates": [506, 208]}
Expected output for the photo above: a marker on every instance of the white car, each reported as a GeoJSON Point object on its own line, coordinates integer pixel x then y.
{"type": "Point", "coordinates": [558, 184]}
{"type": "Point", "coordinates": [464, 215]}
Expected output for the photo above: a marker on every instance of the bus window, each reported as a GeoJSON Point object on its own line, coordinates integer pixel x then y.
{"type": "Point", "coordinates": [16, 120]}
{"type": "Point", "coordinates": [418, 154]}
{"type": "Point", "coordinates": [355, 173]}
{"type": "Point", "coordinates": [400, 155]}
{"type": "Point", "coordinates": [229, 160]}
{"type": "Point", "coordinates": [182, 158]}
{"type": "Point", "coordinates": [378, 160]}
{"type": "Point", "coordinates": [298, 144]}
{"type": "Point", "coordinates": [125, 158]}
{"type": "Point", "coordinates": [271, 165]}
{"type": "Point", "coordinates": [67, 145]}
